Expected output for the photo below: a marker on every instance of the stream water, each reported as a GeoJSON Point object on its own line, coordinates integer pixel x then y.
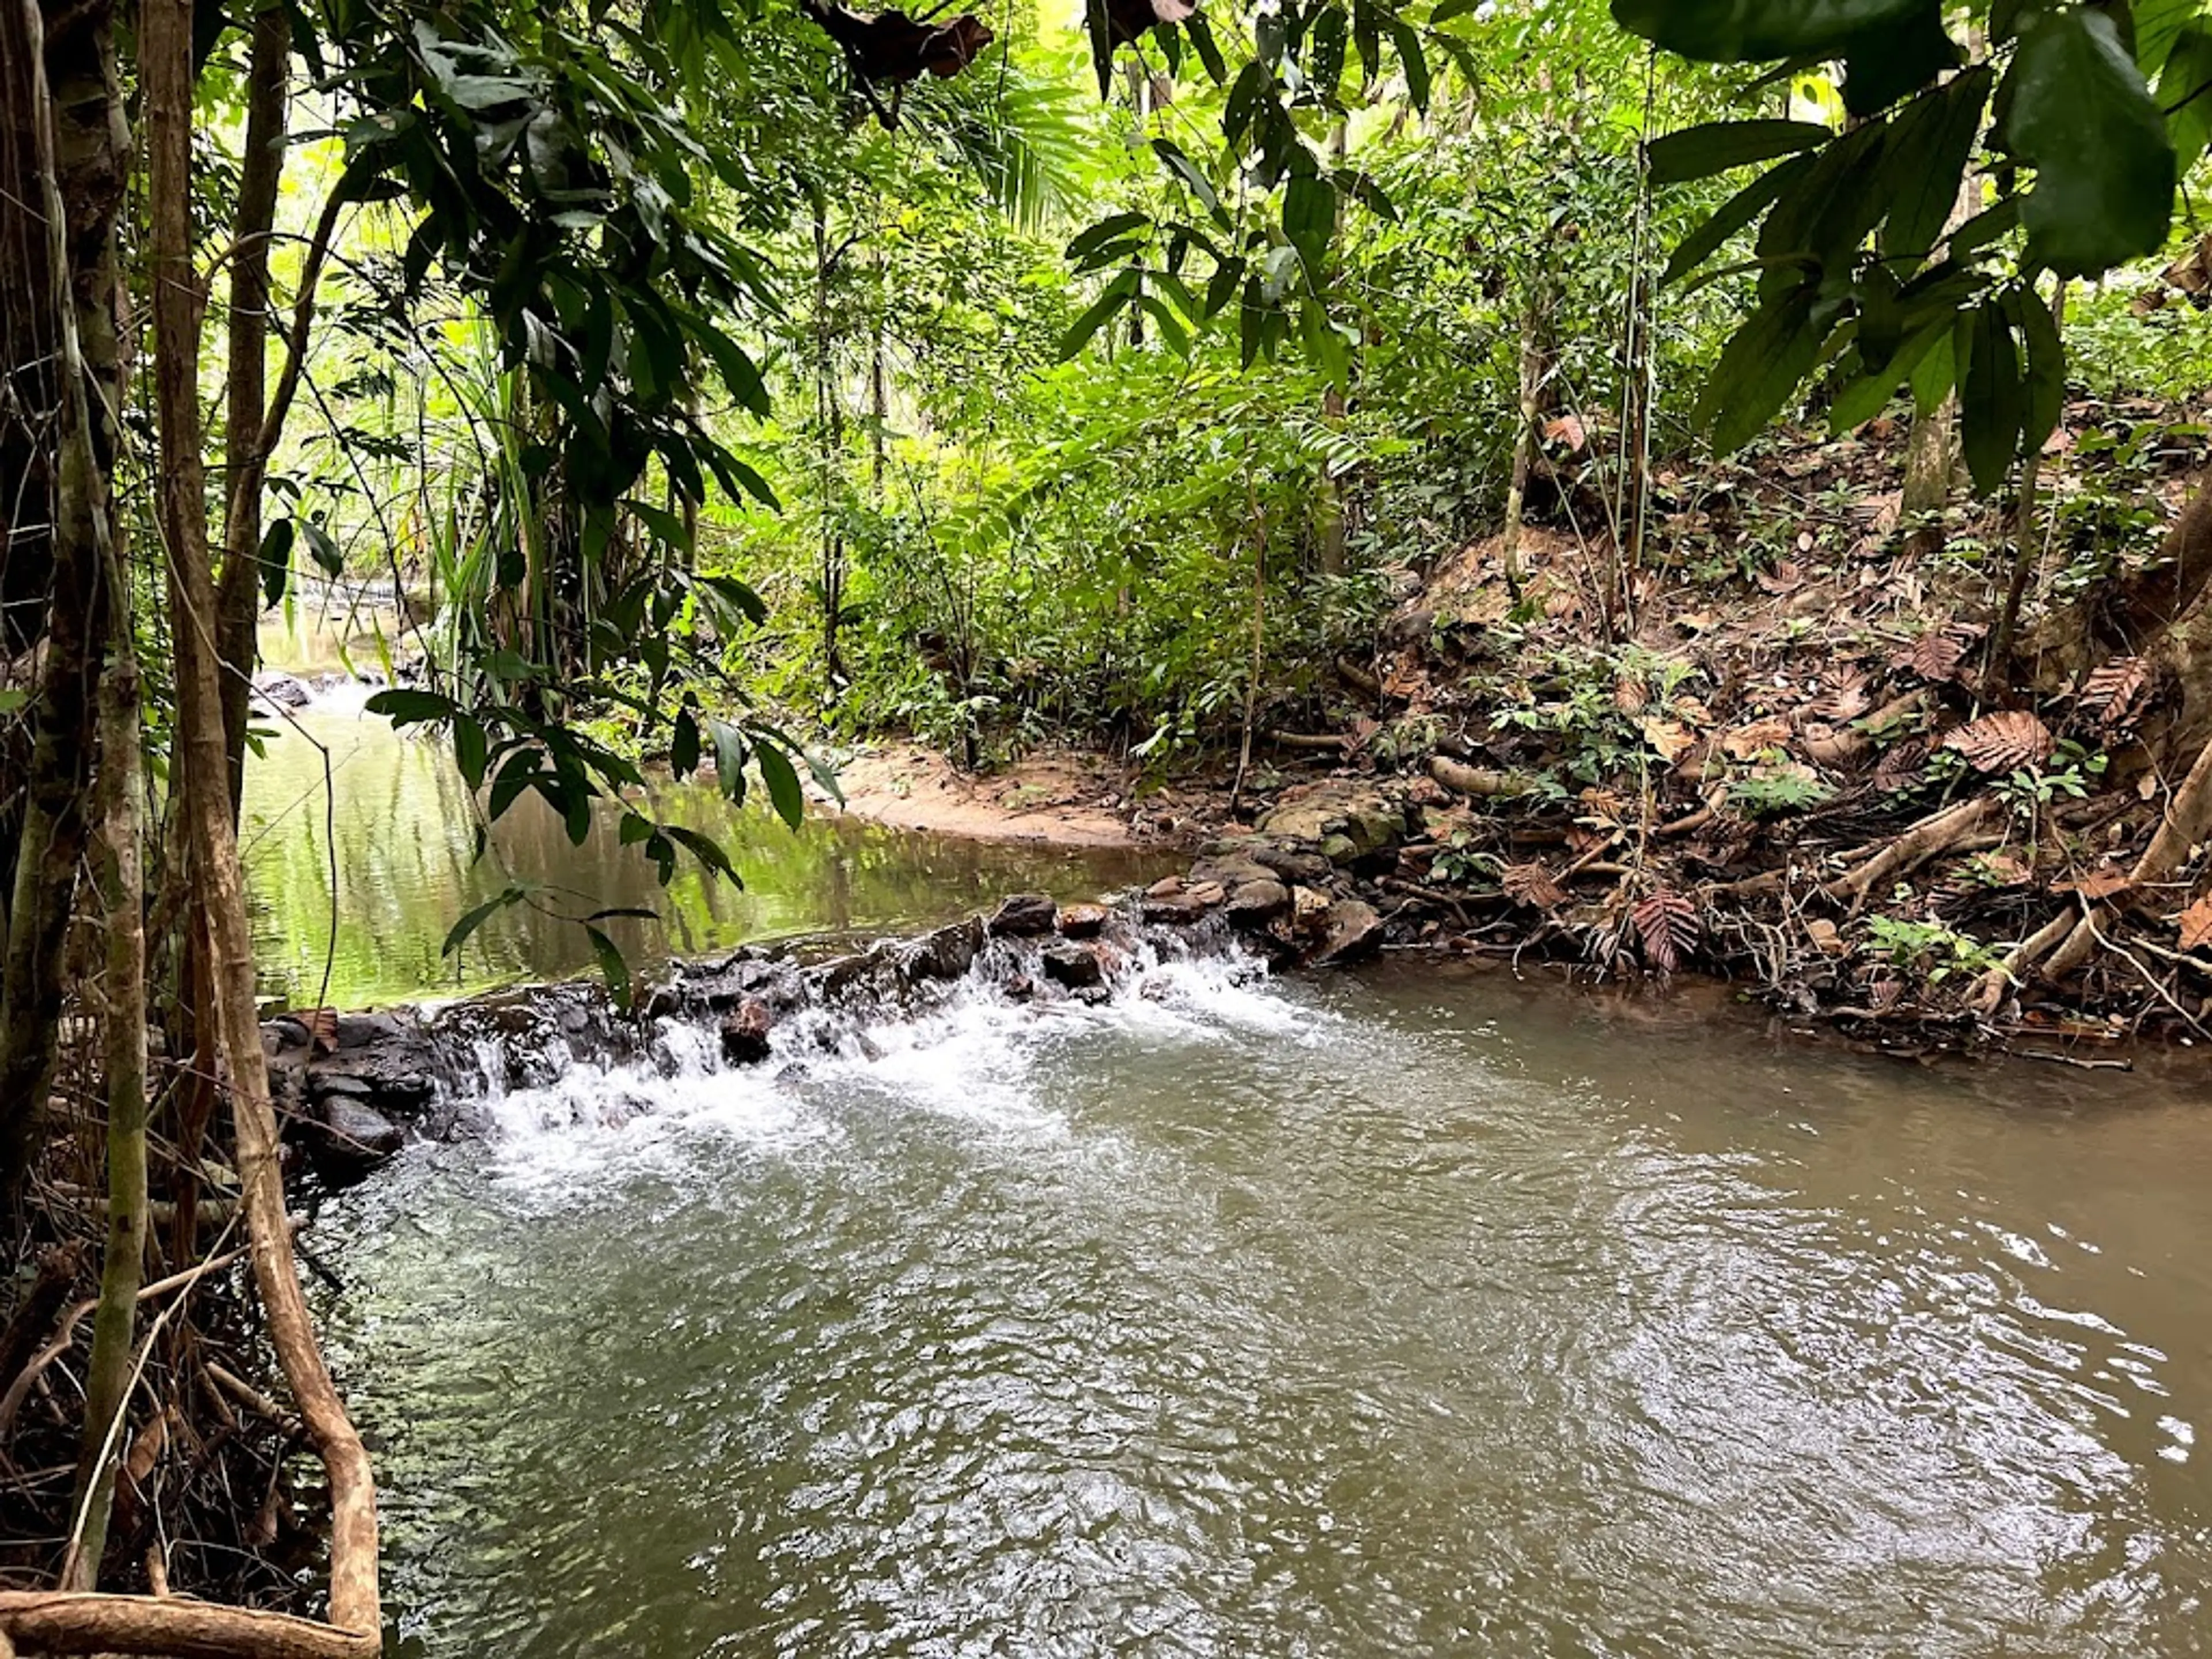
{"type": "Point", "coordinates": [1413, 1313]}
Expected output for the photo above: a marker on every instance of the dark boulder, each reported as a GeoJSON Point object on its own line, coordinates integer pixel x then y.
{"type": "Point", "coordinates": [347, 1138]}
{"type": "Point", "coordinates": [1290, 865]}
{"type": "Point", "coordinates": [1349, 932]}
{"type": "Point", "coordinates": [946, 954]}
{"type": "Point", "coordinates": [1255, 903]}
{"type": "Point", "coordinates": [1176, 902]}
{"type": "Point", "coordinates": [1075, 966]}
{"type": "Point", "coordinates": [1082, 921]}
{"type": "Point", "coordinates": [282, 691]}
{"type": "Point", "coordinates": [745, 1033]}
{"type": "Point", "coordinates": [1024, 915]}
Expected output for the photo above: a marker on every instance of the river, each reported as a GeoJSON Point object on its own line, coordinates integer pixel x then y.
{"type": "Point", "coordinates": [1418, 1312]}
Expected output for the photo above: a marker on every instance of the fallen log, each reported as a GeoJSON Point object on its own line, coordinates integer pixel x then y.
{"type": "Point", "coordinates": [1923, 841]}
{"type": "Point", "coordinates": [1478, 781]}
{"type": "Point", "coordinates": [1313, 740]}
{"type": "Point", "coordinates": [2187, 821]}
{"type": "Point", "coordinates": [173, 1627]}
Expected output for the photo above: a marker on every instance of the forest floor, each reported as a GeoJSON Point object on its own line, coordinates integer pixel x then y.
{"type": "Point", "coordinates": [1774, 752]}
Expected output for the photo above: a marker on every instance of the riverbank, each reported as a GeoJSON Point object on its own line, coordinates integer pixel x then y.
{"type": "Point", "coordinates": [1854, 764]}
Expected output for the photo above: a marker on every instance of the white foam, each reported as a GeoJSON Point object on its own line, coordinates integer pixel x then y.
{"type": "Point", "coordinates": [974, 1052]}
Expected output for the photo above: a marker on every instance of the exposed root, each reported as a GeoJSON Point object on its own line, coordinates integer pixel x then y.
{"type": "Point", "coordinates": [1925, 840]}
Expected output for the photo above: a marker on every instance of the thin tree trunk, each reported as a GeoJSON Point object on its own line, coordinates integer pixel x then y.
{"type": "Point", "coordinates": [202, 765]}
{"type": "Point", "coordinates": [268, 85]}
{"type": "Point", "coordinates": [118, 877]}
{"type": "Point", "coordinates": [81, 149]}
{"type": "Point", "coordinates": [1524, 436]}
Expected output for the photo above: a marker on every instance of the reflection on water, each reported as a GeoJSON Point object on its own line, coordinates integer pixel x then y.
{"type": "Point", "coordinates": [399, 829]}
{"type": "Point", "coordinates": [1404, 1315]}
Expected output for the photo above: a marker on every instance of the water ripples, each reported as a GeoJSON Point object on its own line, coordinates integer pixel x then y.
{"type": "Point", "coordinates": [1232, 1322]}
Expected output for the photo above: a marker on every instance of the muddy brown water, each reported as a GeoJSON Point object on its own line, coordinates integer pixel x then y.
{"type": "Point", "coordinates": [1418, 1312]}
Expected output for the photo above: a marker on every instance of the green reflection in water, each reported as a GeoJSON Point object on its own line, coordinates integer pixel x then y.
{"type": "Point", "coordinates": [399, 829]}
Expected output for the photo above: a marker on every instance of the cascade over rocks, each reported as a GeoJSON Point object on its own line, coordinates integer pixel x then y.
{"type": "Point", "coordinates": [353, 1088]}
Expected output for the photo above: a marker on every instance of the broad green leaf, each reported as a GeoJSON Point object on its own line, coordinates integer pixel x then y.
{"type": "Point", "coordinates": [1924, 161]}
{"type": "Point", "coordinates": [783, 791]}
{"type": "Point", "coordinates": [1867, 396]}
{"type": "Point", "coordinates": [1410, 59]}
{"type": "Point", "coordinates": [683, 744]}
{"type": "Point", "coordinates": [1897, 60]}
{"type": "Point", "coordinates": [2160, 25]}
{"type": "Point", "coordinates": [471, 750]}
{"type": "Point", "coordinates": [1992, 398]}
{"type": "Point", "coordinates": [704, 848]}
{"type": "Point", "coordinates": [325, 550]}
{"type": "Point", "coordinates": [404, 706]}
{"type": "Point", "coordinates": [276, 559]}
{"type": "Point", "coordinates": [1761, 365]}
{"type": "Point", "coordinates": [2103, 164]}
{"type": "Point", "coordinates": [2046, 368]}
{"type": "Point", "coordinates": [475, 918]}
{"type": "Point", "coordinates": [1310, 218]}
{"type": "Point", "coordinates": [1096, 236]}
{"type": "Point", "coordinates": [1119, 291]}
{"type": "Point", "coordinates": [2185, 92]}
{"type": "Point", "coordinates": [612, 965]}
{"type": "Point", "coordinates": [1754, 31]}
{"type": "Point", "coordinates": [1699, 152]}
{"type": "Point", "coordinates": [1733, 215]}
{"type": "Point", "coordinates": [1099, 27]}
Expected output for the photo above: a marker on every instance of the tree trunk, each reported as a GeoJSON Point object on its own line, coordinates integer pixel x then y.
{"type": "Point", "coordinates": [268, 85]}
{"type": "Point", "coordinates": [118, 877]}
{"type": "Point", "coordinates": [1524, 436]}
{"type": "Point", "coordinates": [202, 765]}
{"type": "Point", "coordinates": [81, 158]}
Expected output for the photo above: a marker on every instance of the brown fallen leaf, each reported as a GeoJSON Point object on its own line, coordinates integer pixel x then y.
{"type": "Point", "coordinates": [2196, 923]}
{"type": "Point", "coordinates": [1671, 739]}
{"type": "Point", "coordinates": [1747, 741]}
{"type": "Point", "coordinates": [2099, 883]}
{"type": "Point", "coordinates": [1531, 884]}
{"type": "Point", "coordinates": [2003, 742]}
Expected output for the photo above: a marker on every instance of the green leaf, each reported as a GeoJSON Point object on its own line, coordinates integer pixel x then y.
{"type": "Point", "coordinates": [1992, 398]}
{"type": "Point", "coordinates": [475, 918]}
{"type": "Point", "coordinates": [1895, 61]}
{"type": "Point", "coordinates": [1222, 289]}
{"type": "Point", "coordinates": [2046, 368]}
{"type": "Point", "coordinates": [1099, 27]}
{"type": "Point", "coordinates": [704, 848]}
{"type": "Point", "coordinates": [2104, 164]}
{"type": "Point", "coordinates": [1096, 236]}
{"type": "Point", "coordinates": [1925, 160]}
{"type": "Point", "coordinates": [471, 750]}
{"type": "Point", "coordinates": [2160, 26]}
{"type": "Point", "coordinates": [782, 779]}
{"type": "Point", "coordinates": [1119, 293]}
{"type": "Point", "coordinates": [683, 744]}
{"type": "Point", "coordinates": [1937, 373]}
{"type": "Point", "coordinates": [1868, 395]}
{"type": "Point", "coordinates": [276, 559]}
{"type": "Point", "coordinates": [1699, 152]}
{"type": "Point", "coordinates": [1760, 366]}
{"type": "Point", "coordinates": [2185, 92]}
{"type": "Point", "coordinates": [613, 967]}
{"type": "Point", "coordinates": [1201, 37]}
{"type": "Point", "coordinates": [325, 550]}
{"type": "Point", "coordinates": [1310, 218]}
{"type": "Point", "coordinates": [1410, 59]}
{"type": "Point", "coordinates": [1733, 215]}
{"type": "Point", "coordinates": [403, 706]}
{"type": "Point", "coordinates": [1752, 31]}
